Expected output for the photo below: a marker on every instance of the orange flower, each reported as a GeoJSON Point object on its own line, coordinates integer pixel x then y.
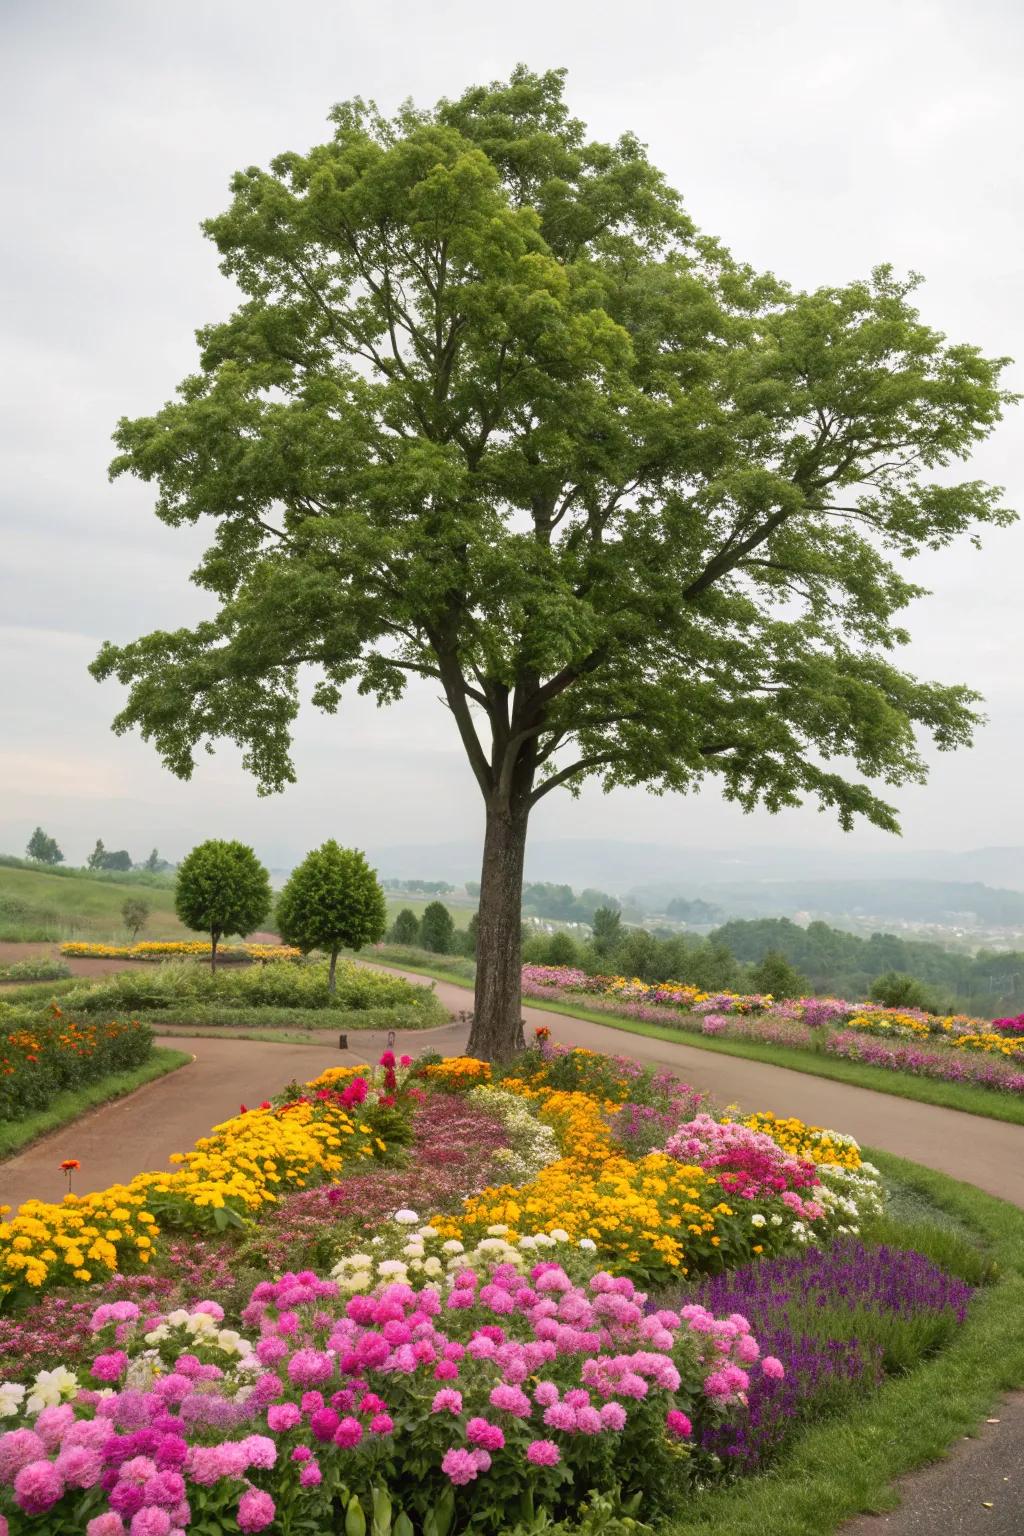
{"type": "Point", "coordinates": [69, 1163]}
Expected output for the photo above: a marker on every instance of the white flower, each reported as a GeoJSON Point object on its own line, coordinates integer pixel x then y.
{"type": "Point", "coordinates": [426, 1232]}
{"type": "Point", "coordinates": [432, 1266]}
{"type": "Point", "coordinates": [545, 1240]}
{"type": "Point", "coordinates": [559, 1234]}
{"type": "Point", "coordinates": [231, 1342]}
{"type": "Point", "coordinates": [11, 1395]}
{"type": "Point", "coordinates": [776, 1221]}
{"type": "Point", "coordinates": [453, 1246]}
{"type": "Point", "coordinates": [588, 1245]}
{"type": "Point", "coordinates": [51, 1387]}
{"type": "Point", "coordinates": [392, 1267]}
{"type": "Point", "coordinates": [757, 1220]}
{"type": "Point", "coordinates": [497, 1229]}
{"type": "Point", "coordinates": [362, 1280]}
{"type": "Point", "coordinates": [414, 1250]}
{"type": "Point", "coordinates": [199, 1322]}
{"type": "Point", "coordinates": [407, 1218]}
{"type": "Point", "coordinates": [156, 1335]}
{"type": "Point", "coordinates": [528, 1243]}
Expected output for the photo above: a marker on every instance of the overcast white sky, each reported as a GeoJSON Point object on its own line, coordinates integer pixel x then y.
{"type": "Point", "coordinates": [816, 141]}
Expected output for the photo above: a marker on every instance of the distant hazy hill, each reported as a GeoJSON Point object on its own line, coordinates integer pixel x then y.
{"type": "Point", "coordinates": [622, 866]}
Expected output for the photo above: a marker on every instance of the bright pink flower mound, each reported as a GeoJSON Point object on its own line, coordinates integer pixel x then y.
{"type": "Point", "coordinates": [256, 1510]}
{"type": "Point", "coordinates": [748, 1164]}
{"type": "Point", "coordinates": [543, 1453]}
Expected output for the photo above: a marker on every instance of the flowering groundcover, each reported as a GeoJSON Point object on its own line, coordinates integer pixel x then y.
{"type": "Point", "coordinates": [461, 1370]}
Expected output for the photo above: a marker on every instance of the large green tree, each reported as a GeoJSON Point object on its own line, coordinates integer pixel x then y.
{"type": "Point", "coordinates": [493, 413]}
{"type": "Point", "coordinates": [43, 848]}
{"type": "Point", "coordinates": [332, 901]}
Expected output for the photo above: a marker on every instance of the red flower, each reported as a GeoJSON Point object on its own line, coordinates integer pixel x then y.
{"type": "Point", "coordinates": [69, 1163]}
{"type": "Point", "coordinates": [242, 1109]}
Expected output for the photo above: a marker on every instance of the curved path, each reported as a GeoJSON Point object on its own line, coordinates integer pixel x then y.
{"type": "Point", "coordinates": [140, 1132]}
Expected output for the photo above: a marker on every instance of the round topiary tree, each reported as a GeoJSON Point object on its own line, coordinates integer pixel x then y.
{"type": "Point", "coordinates": [437, 929]}
{"type": "Point", "coordinates": [222, 888]}
{"type": "Point", "coordinates": [332, 901]}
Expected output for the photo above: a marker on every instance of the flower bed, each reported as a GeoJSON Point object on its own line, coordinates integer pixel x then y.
{"type": "Point", "coordinates": [953, 1048]}
{"type": "Point", "coordinates": [499, 1366]}
{"type": "Point", "coordinates": [52, 1054]}
{"type": "Point", "coordinates": [156, 949]}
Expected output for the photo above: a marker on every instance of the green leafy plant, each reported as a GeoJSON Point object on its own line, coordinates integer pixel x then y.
{"type": "Point", "coordinates": [332, 901]}
{"type": "Point", "coordinates": [222, 889]}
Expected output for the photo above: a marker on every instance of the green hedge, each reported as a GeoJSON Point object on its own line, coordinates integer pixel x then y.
{"type": "Point", "coordinates": [180, 984]}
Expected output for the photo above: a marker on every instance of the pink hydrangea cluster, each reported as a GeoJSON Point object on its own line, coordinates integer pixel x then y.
{"type": "Point", "coordinates": [748, 1164]}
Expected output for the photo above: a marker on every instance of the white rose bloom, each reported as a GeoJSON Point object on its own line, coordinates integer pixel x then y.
{"type": "Point", "coordinates": [407, 1218]}
{"type": "Point", "coordinates": [11, 1396]}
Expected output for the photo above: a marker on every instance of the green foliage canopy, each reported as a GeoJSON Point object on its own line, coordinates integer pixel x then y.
{"type": "Point", "coordinates": [331, 901]}
{"type": "Point", "coordinates": [222, 888]}
{"type": "Point", "coordinates": [437, 929]}
{"type": "Point", "coordinates": [493, 413]}
{"type": "Point", "coordinates": [43, 848]}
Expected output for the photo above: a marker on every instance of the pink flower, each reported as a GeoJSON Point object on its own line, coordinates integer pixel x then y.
{"type": "Point", "coordinates": [79, 1466]}
{"type": "Point", "coordinates": [301, 1453]}
{"type": "Point", "coordinates": [560, 1416]}
{"type": "Point", "coordinates": [489, 1436]}
{"type": "Point", "coordinates": [323, 1423]}
{"type": "Point", "coordinates": [310, 1476]}
{"type": "Point", "coordinates": [37, 1487]}
{"type": "Point", "coordinates": [150, 1521]}
{"type": "Point", "coordinates": [110, 1367]}
{"type": "Point", "coordinates": [256, 1510]}
{"type": "Point", "coordinates": [678, 1425]}
{"type": "Point", "coordinates": [107, 1524]}
{"type": "Point", "coordinates": [545, 1393]}
{"type": "Point", "coordinates": [447, 1401]}
{"type": "Point", "coordinates": [613, 1416]}
{"type": "Point", "coordinates": [460, 1466]}
{"type": "Point", "coordinates": [381, 1424]}
{"type": "Point", "coordinates": [260, 1450]}
{"type": "Point", "coordinates": [543, 1453]}
{"type": "Point", "coordinates": [510, 1400]}
{"type": "Point", "coordinates": [348, 1433]}
{"type": "Point", "coordinates": [17, 1448]}
{"type": "Point", "coordinates": [283, 1416]}
{"type": "Point", "coordinates": [772, 1368]}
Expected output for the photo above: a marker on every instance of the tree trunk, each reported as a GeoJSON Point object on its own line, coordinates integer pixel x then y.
{"type": "Point", "coordinates": [213, 953]}
{"type": "Point", "coordinates": [330, 973]}
{"type": "Point", "coordinates": [497, 1011]}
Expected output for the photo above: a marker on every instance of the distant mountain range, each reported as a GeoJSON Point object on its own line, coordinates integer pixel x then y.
{"type": "Point", "coordinates": [658, 869]}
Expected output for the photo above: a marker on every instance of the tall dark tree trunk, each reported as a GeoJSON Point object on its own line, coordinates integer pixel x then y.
{"type": "Point", "coordinates": [213, 953]}
{"type": "Point", "coordinates": [330, 973]}
{"type": "Point", "coordinates": [497, 1011]}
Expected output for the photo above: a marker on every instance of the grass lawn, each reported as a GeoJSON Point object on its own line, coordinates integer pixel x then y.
{"type": "Point", "coordinates": [68, 1106]}
{"type": "Point", "coordinates": [38, 905]}
{"type": "Point", "coordinates": [847, 1464]}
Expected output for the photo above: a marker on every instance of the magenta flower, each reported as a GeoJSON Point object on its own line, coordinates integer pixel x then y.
{"type": "Point", "coordinates": [447, 1401]}
{"type": "Point", "coordinates": [348, 1433]}
{"type": "Point", "coordinates": [150, 1521]}
{"type": "Point", "coordinates": [256, 1510]}
{"type": "Point", "coordinates": [460, 1466]}
{"type": "Point", "coordinates": [678, 1425]}
{"type": "Point", "coordinates": [37, 1487]}
{"type": "Point", "coordinates": [543, 1453]}
{"type": "Point", "coordinates": [772, 1368]}
{"type": "Point", "coordinates": [283, 1416]}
